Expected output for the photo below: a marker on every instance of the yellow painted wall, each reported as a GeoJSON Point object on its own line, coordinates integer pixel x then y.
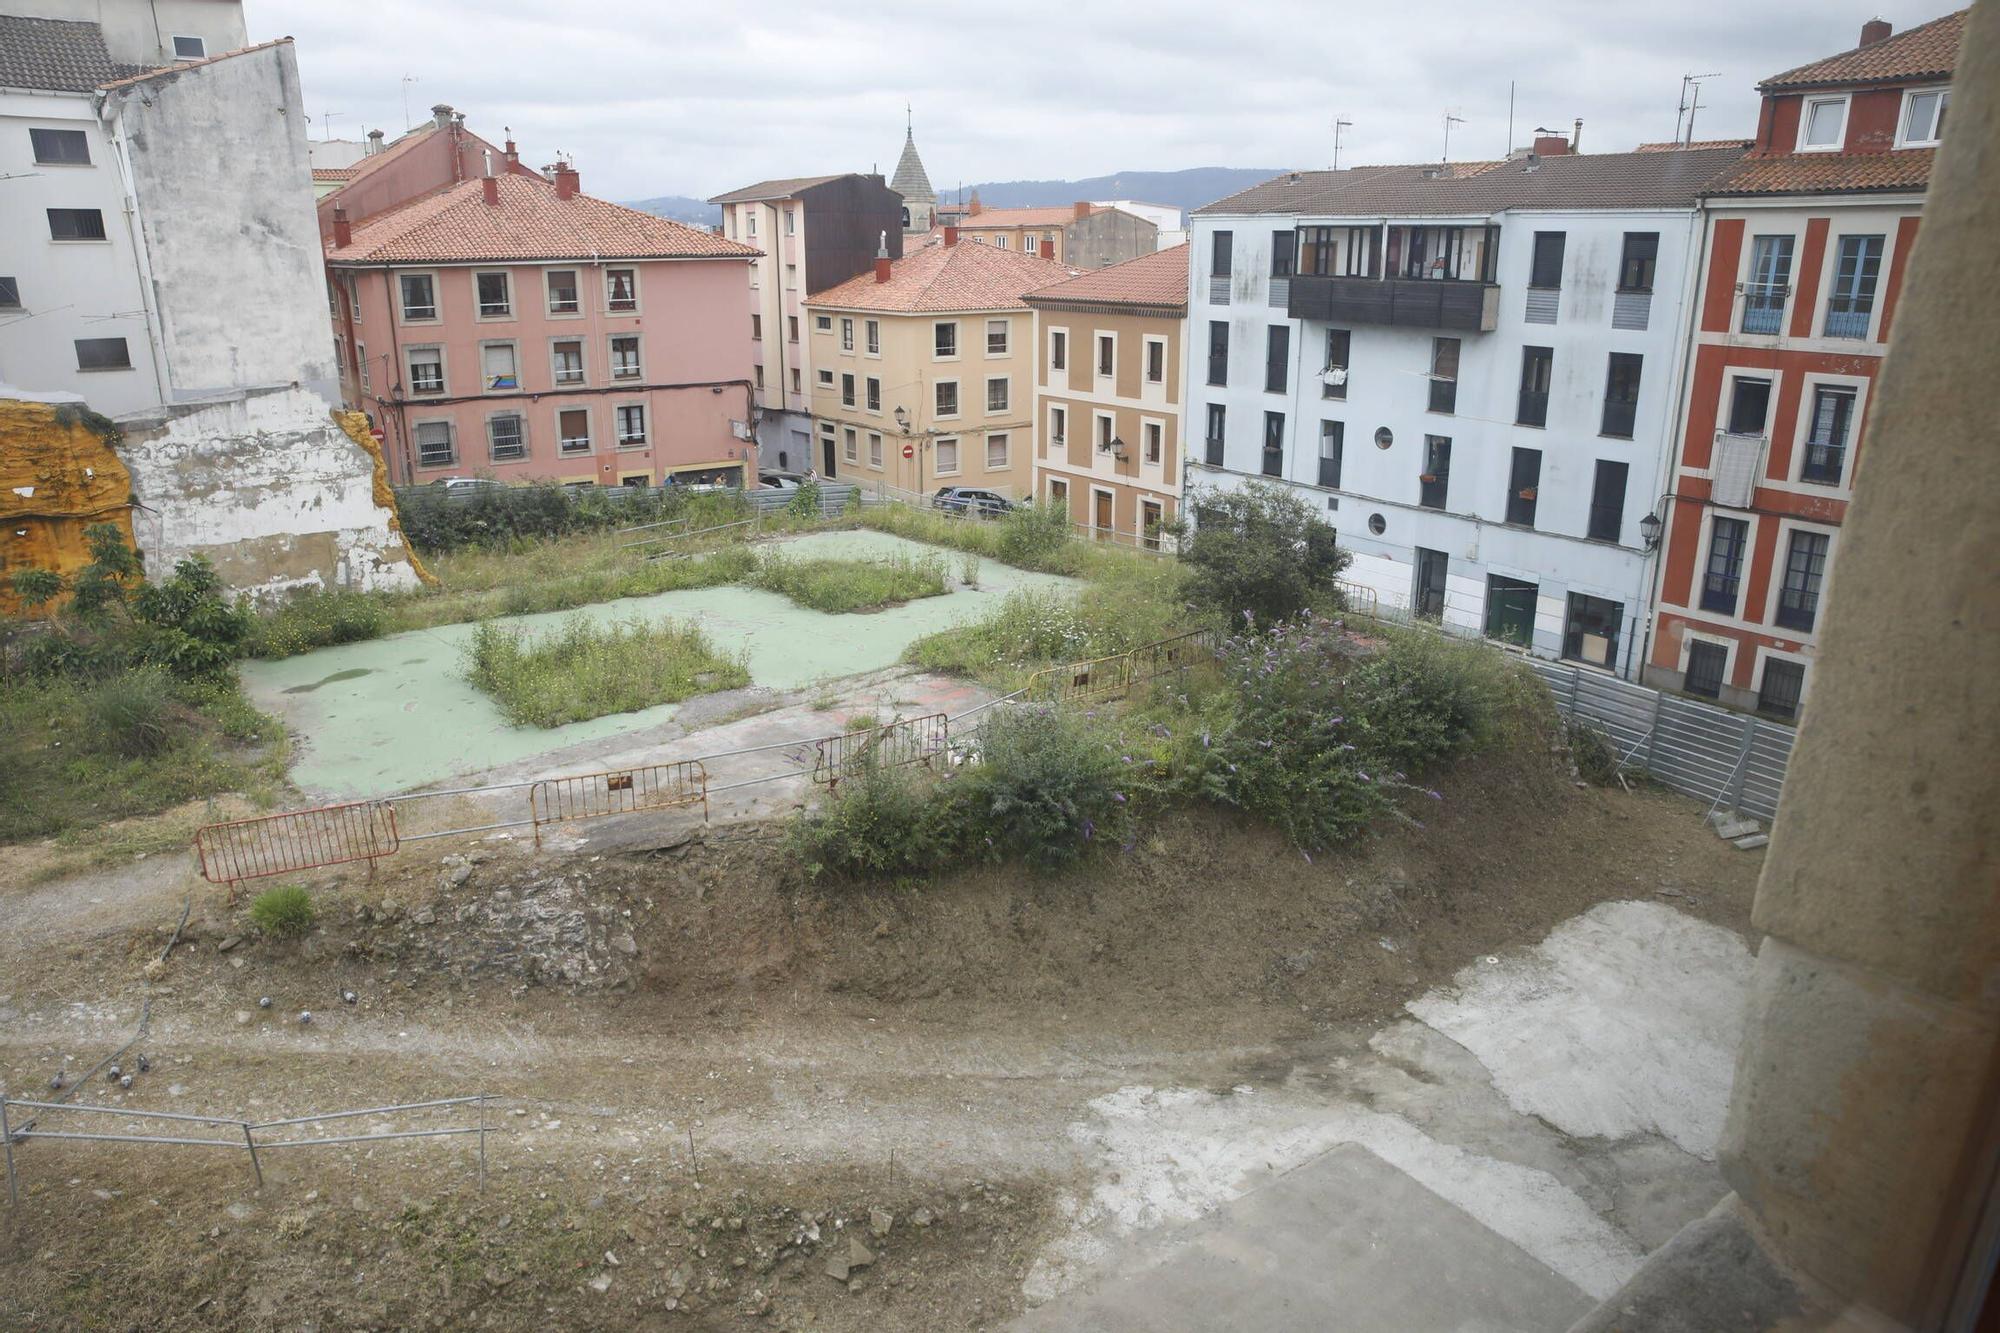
{"type": "Point", "coordinates": [59, 474]}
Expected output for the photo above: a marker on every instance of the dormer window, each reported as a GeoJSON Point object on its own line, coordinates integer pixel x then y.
{"type": "Point", "coordinates": [1923, 117]}
{"type": "Point", "coordinates": [1823, 124]}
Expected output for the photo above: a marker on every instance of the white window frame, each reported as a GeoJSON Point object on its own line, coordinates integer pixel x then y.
{"type": "Point", "coordinates": [871, 395]}
{"type": "Point", "coordinates": [1031, 242]}
{"type": "Point", "coordinates": [549, 292]}
{"type": "Point", "coordinates": [1149, 342]}
{"type": "Point", "coordinates": [583, 362]}
{"type": "Point", "coordinates": [824, 377]}
{"type": "Point", "coordinates": [957, 401]}
{"type": "Point", "coordinates": [1149, 426]}
{"type": "Point", "coordinates": [1765, 655]}
{"type": "Point", "coordinates": [353, 285]}
{"type": "Point", "coordinates": [361, 365]}
{"type": "Point", "coordinates": [875, 449]}
{"type": "Point", "coordinates": [416, 441]}
{"type": "Point", "coordinates": [1096, 342]}
{"type": "Point", "coordinates": [1809, 384]}
{"type": "Point", "coordinates": [638, 304]}
{"type": "Point", "coordinates": [847, 334]}
{"type": "Point", "coordinates": [957, 467]}
{"type": "Point", "coordinates": [410, 374]}
{"type": "Point", "coordinates": [512, 345]}
{"type": "Point", "coordinates": [1103, 430]}
{"type": "Point", "coordinates": [1903, 139]}
{"type": "Point", "coordinates": [174, 41]}
{"type": "Point", "coordinates": [822, 323]}
{"type": "Point", "coordinates": [1774, 582]}
{"type": "Point", "coordinates": [618, 411]}
{"type": "Point", "coordinates": [1050, 352]}
{"type": "Point", "coordinates": [1729, 643]}
{"type": "Point", "coordinates": [1006, 451]}
{"type": "Point", "coordinates": [957, 343]}
{"type": "Point", "coordinates": [479, 313]}
{"type": "Point", "coordinates": [611, 357]}
{"type": "Point", "coordinates": [1704, 540]}
{"type": "Point", "coordinates": [1058, 426]}
{"type": "Point", "coordinates": [1006, 328]}
{"type": "Point", "coordinates": [563, 449]}
{"type": "Point", "coordinates": [871, 338]}
{"type": "Point", "coordinates": [1007, 391]}
{"type": "Point", "coordinates": [1806, 106]}
{"type": "Point", "coordinates": [519, 416]}
{"type": "Point", "coordinates": [402, 306]}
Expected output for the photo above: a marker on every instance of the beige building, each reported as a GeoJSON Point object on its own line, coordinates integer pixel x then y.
{"type": "Point", "coordinates": [1109, 395]}
{"type": "Point", "coordinates": [1081, 234]}
{"type": "Point", "coordinates": [923, 369]}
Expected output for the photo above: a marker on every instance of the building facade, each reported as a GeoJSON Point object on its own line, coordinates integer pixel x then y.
{"type": "Point", "coordinates": [1470, 369]}
{"type": "Point", "coordinates": [513, 327]}
{"type": "Point", "coordinates": [816, 232]}
{"type": "Point", "coordinates": [1108, 395]}
{"type": "Point", "coordinates": [1083, 235]}
{"type": "Point", "coordinates": [1807, 242]}
{"type": "Point", "coordinates": [923, 370]}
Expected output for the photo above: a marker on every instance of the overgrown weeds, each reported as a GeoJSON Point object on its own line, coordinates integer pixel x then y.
{"type": "Point", "coordinates": [285, 912]}
{"type": "Point", "coordinates": [585, 670]}
{"type": "Point", "coordinates": [316, 619]}
{"type": "Point", "coordinates": [839, 586]}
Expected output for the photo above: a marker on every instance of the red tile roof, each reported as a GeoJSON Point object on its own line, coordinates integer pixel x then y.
{"type": "Point", "coordinates": [940, 278]}
{"type": "Point", "coordinates": [457, 225]}
{"type": "Point", "coordinates": [1905, 170]}
{"type": "Point", "coordinates": [1927, 51]}
{"type": "Point", "coordinates": [1157, 281]}
{"type": "Point", "coordinates": [180, 65]}
{"type": "Point", "coordinates": [1676, 146]}
{"type": "Point", "coordinates": [1024, 217]}
{"type": "Point", "coordinates": [333, 173]}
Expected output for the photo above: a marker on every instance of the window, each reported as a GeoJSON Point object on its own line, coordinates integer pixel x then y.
{"type": "Point", "coordinates": [874, 448]}
{"type": "Point", "coordinates": [872, 330]}
{"type": "Point", "coordinates": [792, 277]}
{"type": "Point", "coordinates": [944, 339]}
{"type": "Point", "coordinates": [1590, 634]}
{"type": "Point", "coordinates": [1212, 437]}
{"type": "Point", "coordinates": [947, 456]}
{"type": "Point", "coordinates": [1537, 363]}
{"type": "Point", "coordinates": [1155, 437]}
{"type": "Point", "coordinates": [1107, 354]}
{"type": "Point", "coordinates": [1283, 250]}
{"type": "Point", "coordinates": [573, 428]}
{"type": "Point", "coordinates": [795, 379]}
{"type": "Point", "coordinates": [631, 425]}
{"type": "Point", "coordinates": [1546, 270]}
{"type": "Point", "coordinates": [996, 393]}
{"type": "Point", "coordinates": [1607, 502]}
{"type": "Point", "coordinates": [1333, 382]}
{"type": "Point", "coordinates": [846, 334]}
{"type": "Point", "coordinates": [947, 398]}
{"type": "Point", "coordinates": [825, 378]}
{"type": "Point", "coordinates": [791, 328]}
{"type": "Point", "coordinates": [621, 289]}
{"type": "Point", "coordinates": [1444, 375]}
{"type": "Point", "coordinates": [1635, 267]}
{"type": "Point", "coordinates": [1621, 395]}
{"type": "Point", "coordinates": [190, 48]}
{"type": "Point", "coordinates": [1058, 350]}
{"type": "Point", "coordinates": [1332, 440]}
{"type": "Point", "coordinates": [1156, 361]}
{"type": "Point", "coordinates": [1218, 352]}
{"type": "Point", "coordinates": [1769, 284]}
{"type": "Point", "coordinates": [996, 447]}
{"type": "Point", "coordinates": [874, 455]}
{"type": "Point", "coordinates": [822, 323]}
{"type": "Point", "coordinates": [498, 367]}
{"type": "Point", "coordinates": [996, 337]}
{"type": "Point", "coordinates": [757, 374]}
{"type": "Point", "coordinates": [1852, 300]}
{"type": "Point", "coordinates": [426, 369]}
{"type": "Point", "coordinates": [1510, 610]}
{"type": "Point", "coordinates": [10, 294]}
{"type": "Point", "coordinates": [1784, 684]}
{"type": "Point", "coordinates": [1031, 243]}
{"type": "Point", "coordinates": [1107, 432]}
{"type": "Point", "coordinates": [76, 224]}
{"type": "Point", "coordinates": [1826, 437]}
{"type": "Point", "coordinates": [435, 447]}
{"type": "Point", "coordinates": [1726, 540]}
{"type": "Point", "coordinates": [361, 365]}
{"type": "Point", "coordinates": [569, 362]}
{"type": "Point", "coordinates": [756, 328]}
{"type": "Point", "coordinates": [1707, 662]}
{"type": "Point", "coordinates": [102, 354]}
{"type": "Point", "coordinates": [1000, 240]}
{"type": "Point", "coordinates": [625, 356]}
{"type": "Point", "coordinates": [750, 222]}
{"type": "Point", "coordinates": [847, 390]}
{"type": "Point", "coordinates": [1805, 571]}
{"type": "Point", "coordinates": [1277, 357]}
{"type": "Point", "coordinates": [562, 292]}
{"type": "Point", "coordinates": [1749, 405]}
{"type": "Point", "coordinates": [353, 286]}
{"type": "Point", "coordinates": [496, 295]}
{"type": "Point", "coordinates": [1822, 123]}
{"type": "Point", "coordinates": [419, 296]}
{"type": "Point", "coordinates": [506, 440]}
{"type": "Point", "coordinates": [873, 394]}
{"type": "Point", "coordinates": [1524, 479]}
{"type": "Point", "coordinates": [1274, 444]}
{"type": "Point", "coordinates": [791, 222]}
{"type": "Point", "coordinates": [1221, 247]}
{"type": "Point", "coordinates": [1058, 426]}
{"type": "Point", "coordinates": [1923, 122]}
{"type": "Point", "coordinates": [61, 148]}
{"type": "Point", "coordinates": [1434, 483]}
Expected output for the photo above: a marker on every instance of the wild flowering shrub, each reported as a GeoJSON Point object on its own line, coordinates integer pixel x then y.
{"type": "Point", "coordinates": [1422, 697]}
{"type": "Point", "coordinates": [1049, 786]}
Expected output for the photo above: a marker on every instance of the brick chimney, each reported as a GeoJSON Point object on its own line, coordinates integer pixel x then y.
{"type": "Point", "coordinates": [1875, 30]}
{"type": "Point", "coordinates": [1081, 210]}
{"type": "Point", "coordinates": [974, 208]}
{"type": "Point", "coordinates": [951, 235]}
{"type": "Point", "coordinates": [566, 181]}
{"type": "Point", "coordinates": [343, 230]}
{"type": "Point", "coordinates": [513, 155]}
{"type": "Point", "coordinates": [882, 259]}
{"type": "Point", "coordinates": [1551, 145]}
{"type": "Point", "coordinates": [490, 189]}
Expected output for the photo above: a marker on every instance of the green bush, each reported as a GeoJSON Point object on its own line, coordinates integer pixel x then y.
{"type": "Point", "coordinates": [115, 619]}
{"type": "Point", "coordinates": [1425, 697]}
{"type": "Point", "coordinates": [806, 502]}
{"type": "Point", "coordinates": [132, 713]}
{"type": "Point", "coordinates": [587, 670]}
{"type": "Point", "coordinates": [285, 912]}
{"type": "Point", "coordinates": [839, 586]}
{"type": "Point", "coordinates": [879, 823]}
{"type": "Point", "coordinates": [1036, 537]}
{"type": "Point", "coordinates": [1260, 552]}
{"type": "Point", "coordinates": [317, 619]}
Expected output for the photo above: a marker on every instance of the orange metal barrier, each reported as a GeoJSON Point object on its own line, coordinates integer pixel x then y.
{"type": "Point", "coordinates": [329, 835]}
{"type": "Point", "coordinates": [914, 740]}
{"type": "Point", "coordinates": [618, 792]}
{"type": "Point", "coordinates": [1099, 678]}
{"type": "Point", "coordinates": [1195, 648]}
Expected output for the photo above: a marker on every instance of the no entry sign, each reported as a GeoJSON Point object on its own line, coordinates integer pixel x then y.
{"type": "Point", "coordinates": [909, 451]}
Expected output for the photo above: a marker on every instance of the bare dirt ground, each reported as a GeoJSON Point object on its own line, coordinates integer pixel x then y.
{"type": "Point", "coordinates": [714, 1078]}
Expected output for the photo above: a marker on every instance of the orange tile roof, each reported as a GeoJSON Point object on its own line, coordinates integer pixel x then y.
{"type": "Point", "coordinates": [1907, 169]}
{"type": "Point", "coordinates": [940, 278]}
{"type": "Point", "coordinates": [1158, 281]}
{"type": "Point", "coordinates": [1927, 51]}
{"type": "Point", "coordinates": [180, 65]}
{"type": "Point", "coordinates": [1676, 146]}
{"type": "Point", "coordinates": [1024, 217]}
{"type": "Point", "coordinates": [333, 173]}
{"type": "Point", "coordinates": [457, 225]}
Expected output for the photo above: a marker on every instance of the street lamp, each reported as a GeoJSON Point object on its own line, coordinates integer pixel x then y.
{"type": "Point", "coordinates": [1649, 530]}
{"type": "Point", "coordinates": [903, 420]}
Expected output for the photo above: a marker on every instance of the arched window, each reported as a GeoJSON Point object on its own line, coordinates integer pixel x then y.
{"type": "Point", "coordinates": [906, 219]}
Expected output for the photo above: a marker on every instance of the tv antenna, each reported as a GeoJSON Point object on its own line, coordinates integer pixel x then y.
{"type": "Point", "coordinates": [1449, 121]}
{"type": "Point", "coordinates": [408, 79]}
{"type": "Point", "coordinates": [1339, 124]}
{"type": "Point", "coordinates": [326, 123]}
{"type": "Point", "coordinates": [1689, 104]}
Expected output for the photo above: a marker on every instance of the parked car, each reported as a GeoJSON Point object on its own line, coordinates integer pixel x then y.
{"type": "Point", "coordinates": [972, 501]}
{"type": "Point", "coordinates": [778, 481]}
{"type": "Point", "coordinates": [457, 484]}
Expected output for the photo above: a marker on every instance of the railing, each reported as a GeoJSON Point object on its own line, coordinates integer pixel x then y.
{"type": "Point", "coordinates": [281, 844]}
{"type": "Point", "coordinates": [1764, 308]}
{"type": "Point", "coordinates": [1105, 678]}
{"type": "Point", "coordinates": [618, 792]}
{"type": "Point", "coordinates": [915, 740]}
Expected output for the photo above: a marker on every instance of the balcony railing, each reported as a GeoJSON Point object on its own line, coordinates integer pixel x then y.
{"type": "Point", "coordinates": [1847, 323]}
{"type": "Point", "coordinates": [1274, 462]}
{"type": "Point", "coordinates": [1211, 452]}
{"type": "Point", "coordinates": [1416, 303]}
{"type": "Point", "coordinates": [1764, 308]}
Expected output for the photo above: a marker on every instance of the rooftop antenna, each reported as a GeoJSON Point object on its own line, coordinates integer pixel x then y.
{"type": "Point", "coordinates": [1510, 119]}
{"type": "Point", "coordinates": [1689, 104]}
{"type": "Point", "coordinates": [326, 123]}
{"type": "Point", "coordinates": [1449, 121]}
{"type": "Point", "coordinates": [1339, 124]}
{"type": "Point", "coordinates": [408, 79]}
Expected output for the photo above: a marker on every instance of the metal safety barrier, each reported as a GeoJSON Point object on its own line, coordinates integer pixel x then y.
{"type": "Point", "coordinates": [617, 792]}
{"type": "Point", "coordinates": [1098, 678]}
{"type": "Point", "coordinates": [915, 740]}
{"type": "Point", "coordinates": [1360, 599]}
{"type": "Point", "coordinates": [1197, 647]}
{"type": "Point", "coordinates": [328, 835]}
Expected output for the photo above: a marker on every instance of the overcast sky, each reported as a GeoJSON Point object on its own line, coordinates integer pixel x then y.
{"type": "Point", "coordinates": [686, 98]}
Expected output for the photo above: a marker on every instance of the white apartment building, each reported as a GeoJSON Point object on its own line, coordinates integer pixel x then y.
{"type": "Point", "coordinates": [1472, 369]}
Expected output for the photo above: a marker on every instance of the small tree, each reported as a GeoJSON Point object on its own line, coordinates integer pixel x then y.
{"type": "Point", "coordinates": [1260, 549]}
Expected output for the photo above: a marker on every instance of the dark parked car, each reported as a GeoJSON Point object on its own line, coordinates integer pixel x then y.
{"type": "Point", "coordinates": [972, 501]}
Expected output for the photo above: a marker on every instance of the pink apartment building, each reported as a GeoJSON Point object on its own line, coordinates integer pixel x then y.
{"type": "Point", "coordinates": [510, 326]}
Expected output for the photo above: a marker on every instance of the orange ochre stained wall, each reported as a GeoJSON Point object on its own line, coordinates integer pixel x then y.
{"type": "Point", "coordinates": [59, 474]}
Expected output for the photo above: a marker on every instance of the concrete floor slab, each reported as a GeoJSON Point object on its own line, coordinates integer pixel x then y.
{"type": "Point", "coordinates": [1344, 1244]}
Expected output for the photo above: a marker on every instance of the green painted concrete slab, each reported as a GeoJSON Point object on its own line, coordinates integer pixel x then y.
{"type": "Point", "coordinates": [393, 714]}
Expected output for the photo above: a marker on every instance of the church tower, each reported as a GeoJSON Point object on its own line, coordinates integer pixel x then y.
{"type": "Point", "coordinates": [914, 184]}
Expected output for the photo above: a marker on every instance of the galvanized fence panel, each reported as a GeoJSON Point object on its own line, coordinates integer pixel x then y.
{"type": "Point", "coordinates": [328, 835]}
{"type": "Point", "coordinates": [617, 792]}
{"type": "Point", "coordinates": [912, 740]}
{"type": "Point", "coordinates": [1076, 682]}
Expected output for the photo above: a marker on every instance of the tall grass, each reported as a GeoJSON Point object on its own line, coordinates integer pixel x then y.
{"type": "Point", "coordinates": [840, 586]}
{"type": "Point", "coordinates": [586, 670]}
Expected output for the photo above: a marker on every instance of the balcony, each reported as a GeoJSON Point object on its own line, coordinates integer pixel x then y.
{"type": "Point", "coordinates": [1412, 303]}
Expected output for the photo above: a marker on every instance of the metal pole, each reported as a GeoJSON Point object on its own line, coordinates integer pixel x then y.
{"type": "Point", "coordinates": [7, 1138]}
{"type": "Point", "coordinates": [251, 1144]}
{"type": "Point", "coordinates": [482, 1144]}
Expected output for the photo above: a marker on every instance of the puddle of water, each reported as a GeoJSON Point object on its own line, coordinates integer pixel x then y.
{"type": "Point", "coordinates": [423, 722]}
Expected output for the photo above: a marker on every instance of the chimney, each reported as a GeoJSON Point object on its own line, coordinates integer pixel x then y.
{"type": "Point", "coordinates": [566, 181]}
{"type": "Point", "coordinates": [513, 154]}
{"type": "Point", "coordinates": [882, 258]}
{"type": "Point", "coordinates": [975, 208]}
{"type": "Point", "coordinates": [1081, 209]}
{"type": "Point", "coordinates": [441, 115]}
{"type": "Point", "coordinates": [489, 187]}
{"type": "Point", "coordinates": [1550, 145]}
{"type": "Point", "coordinates": [1875, 30]}
{"type": "Point", "coordinates": [950, 235]}
{"type": "Point", "coordinates": [1576, 137]}
{"type": "Point", "coordinates": [374, 142]}
{"type": "Point", "coordinates": [343, 230]}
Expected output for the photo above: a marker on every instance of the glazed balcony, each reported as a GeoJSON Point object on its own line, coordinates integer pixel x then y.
{"type": "Point", "coordinates": [1411, 303]}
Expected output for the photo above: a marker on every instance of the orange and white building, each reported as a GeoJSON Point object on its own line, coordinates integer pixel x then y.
{"type": "Point", "coordinates": [1807, 242]}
